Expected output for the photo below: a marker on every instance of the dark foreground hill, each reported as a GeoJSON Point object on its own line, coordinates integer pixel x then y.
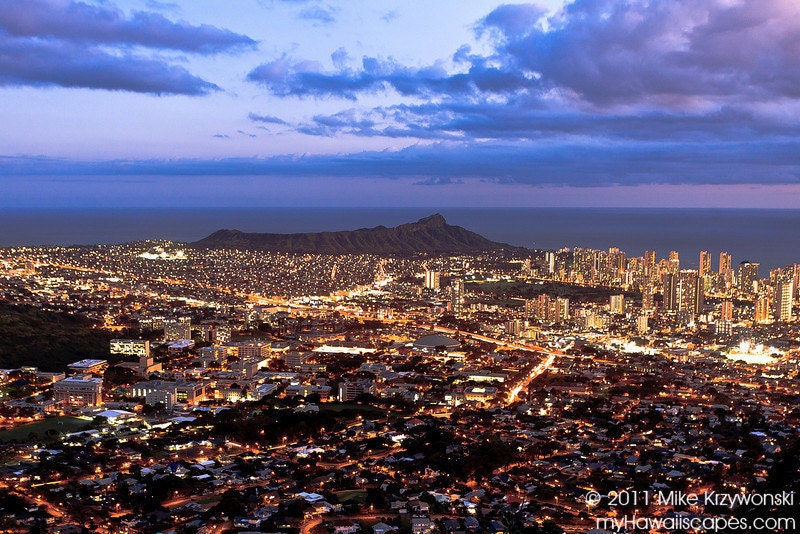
{"type": "Point", "coordinates": [431, 235]}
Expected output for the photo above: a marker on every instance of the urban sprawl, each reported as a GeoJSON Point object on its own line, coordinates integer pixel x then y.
{"type": "Point", "coordinates": [245, 391]}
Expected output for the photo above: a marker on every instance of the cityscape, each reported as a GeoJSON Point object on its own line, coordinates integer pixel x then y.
{"type": "Point", "coordinates": [399, 267]}
{"type": "Point", "coordinates": [253, 391]}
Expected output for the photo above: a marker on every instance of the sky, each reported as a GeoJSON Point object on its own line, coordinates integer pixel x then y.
{"type": "Point", "coordinates": [685, 103]}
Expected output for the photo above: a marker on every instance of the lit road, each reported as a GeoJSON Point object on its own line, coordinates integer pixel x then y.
{"type": "Point", "coordinates": [524, 381]}
{"type": "Point", "coordinates": [536, 371]}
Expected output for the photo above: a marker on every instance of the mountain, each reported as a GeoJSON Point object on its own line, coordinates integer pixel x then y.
{"type": "Point", "coordinates": [430, 235]}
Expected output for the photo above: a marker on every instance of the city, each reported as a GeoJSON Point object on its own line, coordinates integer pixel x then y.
{"type": "Point", "coordinates": [399, 267]}
{"type": "Point", "coordinates": [344, 393]}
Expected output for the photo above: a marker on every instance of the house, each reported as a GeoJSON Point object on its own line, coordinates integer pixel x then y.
{"type": "Point", "coordinates": [383, 528]}
{"type": "Point", "coordinates": [471, 524]}
{"type": "Point", "coordinates": [420, 525]}
{"type": "Point", "coordinates": [345, 526]}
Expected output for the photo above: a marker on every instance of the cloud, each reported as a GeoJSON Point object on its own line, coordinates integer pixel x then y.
{"type": "Point", "coordinates": [512, 19]}
{"type": "Point", "coordinates": [439, 180]}
{"type": "Point", "coordinates": [80, 45]}
{"type": "Point", "coordinates": [163, 6]}
{"type": "Point", "coordinates": [669, 53]}
{"type": "Point", "coordinates": [541, 163]}
{"type": "Point", "coordinates": [269, 119]}
{"type": "Point", "coordinates": [104, 24]}
{"type": "Point", "coordinates": [340, 58]}
{"type": "Point", "coordinates": [390, 16]}
{"type": "Point", "coordinates": [285, 77]}
{"type": "Point", "coordinates": [319, 14]}
{"type": "Point", "coordinates": [519, 119]}
{"type": "Point", "coordinates": [42, 63]}
{"type": "Point", "coordinates": [601, 68]}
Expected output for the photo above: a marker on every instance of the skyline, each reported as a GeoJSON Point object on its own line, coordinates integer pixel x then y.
{"type": "Point", "coordinates": [308, 103]}
{"type": "Point", "coordinates": [765, 236]}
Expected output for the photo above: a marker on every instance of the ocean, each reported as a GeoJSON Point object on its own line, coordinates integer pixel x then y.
{"type": "Point", "coordinates": [771, 237]}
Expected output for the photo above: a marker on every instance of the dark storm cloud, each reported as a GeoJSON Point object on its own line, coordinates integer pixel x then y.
{"type": "Point", "coordinates": [35, 62]}
{"type": "Point", "coordinates": [74, 44]}
{"type": "Point", "coordinates": [105, 24]}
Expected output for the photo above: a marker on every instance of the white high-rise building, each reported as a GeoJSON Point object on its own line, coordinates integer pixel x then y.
{"type": "Point", "coordinates": [432, 280]}
{"type": "Point", "coordinates": [784, 291]}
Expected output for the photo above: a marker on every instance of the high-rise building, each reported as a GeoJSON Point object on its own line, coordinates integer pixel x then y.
{"type": "Point", "coordinates": [543, 307]}
{"type": "Point", "coordinates": [514, 327]}
{"type": "Point", "coordinates": [784, 291]}
{"type": "Point", "coordinates": [762, 309]}
{"type": "Point", "coordinates": [530, 308]}
{"type": "Point", "coordinates": [432, 280]}
{"type": "Point", "coordinates": [748, 273]}
{"type": "Point", "coordinates": [457, 296]}
{"type": "Point", "coordinates": [175, 330]}
{"type": "Point", "coordinates": [796, 277]}
{"type": "Point", "coordinates": [641, 324]}
{"type": "Point", "coordinates": [725, 264]}
{"type": "Point", "coordinates": [705, 263]}
{"type": "Point", "coordinates": [584, 264]}
{"type": "Point", "coordinates": [723, 328]}
{"type": "Point", "coordinates": [726, 311]}
{"type": "Point", "coordinates": [562, 309]}
{"type": "Point", "coordinates": [614, 265]}
{"type": "Point", "coordinates": [550, 261]}
{"type": "Point", "coordinates": [617, 304]}
{"type": "Point", "coordinates": [649, 263]}
{"type": "Point", "coordinates": [683, 292]}
{"type": "Point", "coordinates": [648, 300]}
{"type": "Point", "coordinates": [669, 282]}
{"type": "Point", "coordinates": [691, 292]}
{"type": "Point", "coordinates": [674, 261]}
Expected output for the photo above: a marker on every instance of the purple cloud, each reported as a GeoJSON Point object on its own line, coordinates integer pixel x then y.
{"type": "Point", "coordinates": [536, 163]}
{"type": "Point", "coordinates": [285, 77]}
{"type": "Point", "coordinates": [318, 14]}
{"type": "Point", "coordinates": [74, 44]}
{"type": "Point", "coordinates": [269, 119]}
{"type": "Point", "coordinates": [77, 21]}
{"type": "Point", "coordinates": [37, 62]}
{"type": "Point", "coordinates": [613, 57]}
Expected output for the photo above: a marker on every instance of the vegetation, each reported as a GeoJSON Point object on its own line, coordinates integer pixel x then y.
{"type": "Point", "coordinates": [525, 290]}
{"type": "Point", "coordinates": [48, 340]}
{"type": "Point", "coordinates": [45, 430]}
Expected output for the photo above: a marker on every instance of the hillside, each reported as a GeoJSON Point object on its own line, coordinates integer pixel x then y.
{"type": "Point", "coordinates": [431, 235]}
{"type": "Point", "coordinates": [47, 340]}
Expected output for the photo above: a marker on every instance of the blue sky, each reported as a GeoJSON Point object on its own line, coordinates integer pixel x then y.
{"type": "Point", "coordinates": [414, 103]}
